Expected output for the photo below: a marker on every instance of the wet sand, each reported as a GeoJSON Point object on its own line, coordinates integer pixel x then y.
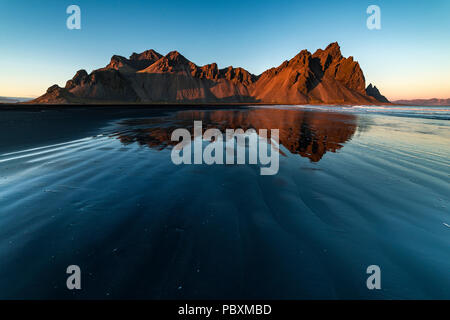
{"type": "Point", "coordinates": [97, 188]}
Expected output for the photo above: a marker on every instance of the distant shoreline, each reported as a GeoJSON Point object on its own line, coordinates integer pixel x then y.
{"type": "Point", "coordinates": [24, 106]}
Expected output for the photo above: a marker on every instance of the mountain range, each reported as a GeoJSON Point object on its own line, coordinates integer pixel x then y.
{"type": "Point", "coordinates": [424, 102]}
{"type": "Point", "coordinates": [13, 99]}
{"type": "Point", "coordinates": [325, 77]}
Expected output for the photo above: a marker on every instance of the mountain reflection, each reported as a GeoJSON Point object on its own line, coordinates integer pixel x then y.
{"type": "Point", "coordinates": [307, 133]}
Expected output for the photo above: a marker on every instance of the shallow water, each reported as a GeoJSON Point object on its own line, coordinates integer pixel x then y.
{"type": "Point", "coordinates": [357, 186]}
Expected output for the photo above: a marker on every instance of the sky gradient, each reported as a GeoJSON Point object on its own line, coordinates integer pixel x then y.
{"type": "Point", "coordinates": [408, 58]}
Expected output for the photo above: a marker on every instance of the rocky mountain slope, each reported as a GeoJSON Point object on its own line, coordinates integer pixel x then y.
{"type": "Point", "coordinates": [323, 77]}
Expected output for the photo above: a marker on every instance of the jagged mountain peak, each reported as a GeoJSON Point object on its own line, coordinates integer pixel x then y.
{"type": "Point", "coordinates": [137, 61]}
{"type": "Point", "coordinates": [78, 79]}
{"type": "Point", "coordinates": [303, 57]}
{"type": "Point", "coordinates": [334, 50]}
{"type": "Point", "coordinates": [373, 91]}
{"type": "Point", "coordinates": [176, 57]}
{"type": "Point", "coordinates": [173, 62]}
{"type": "Point", "coordinates": [146, 55]}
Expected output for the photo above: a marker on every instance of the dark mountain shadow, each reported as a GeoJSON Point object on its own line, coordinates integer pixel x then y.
{"type": "Point", "coordinates": [168, 87]}
{"type": "Point", "coordinates": [316, 69]}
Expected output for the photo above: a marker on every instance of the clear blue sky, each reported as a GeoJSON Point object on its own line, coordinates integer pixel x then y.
{"type": "Point", "coordinates": [407, 58]}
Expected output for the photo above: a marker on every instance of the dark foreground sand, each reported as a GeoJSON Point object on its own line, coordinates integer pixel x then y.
{"type": "Point", "coordinates": [97, 188]}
